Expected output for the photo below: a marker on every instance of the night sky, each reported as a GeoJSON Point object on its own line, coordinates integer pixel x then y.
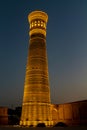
{"type": "Point", "coordinates": [66, 49]}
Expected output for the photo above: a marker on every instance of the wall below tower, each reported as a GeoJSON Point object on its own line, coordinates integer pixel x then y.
{"type": "Point", "coordinates": [3, 115]}
{"type": "Point", "coordinates": [72, 114]}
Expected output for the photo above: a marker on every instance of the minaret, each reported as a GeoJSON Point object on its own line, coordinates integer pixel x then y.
{"type": "Point", "coordinates": [36, 99]}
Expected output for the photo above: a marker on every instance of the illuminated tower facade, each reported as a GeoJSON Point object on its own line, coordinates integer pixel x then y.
{"type": "Point", "coordinates": [36, 98]}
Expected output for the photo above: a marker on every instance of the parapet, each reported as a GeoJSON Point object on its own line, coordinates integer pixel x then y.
{"type": "Point", "coordinates": [38, 15]}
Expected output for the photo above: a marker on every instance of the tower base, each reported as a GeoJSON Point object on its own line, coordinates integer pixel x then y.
{"type": "Point", "coordinates": [35, 123]}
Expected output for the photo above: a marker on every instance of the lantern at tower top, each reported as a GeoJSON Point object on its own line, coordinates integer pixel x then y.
{"type": "Point", "coordinates": [38, 21]}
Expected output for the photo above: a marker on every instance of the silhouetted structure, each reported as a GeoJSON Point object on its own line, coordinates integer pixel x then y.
{"type": "Point", "coordinates": [14, 116]}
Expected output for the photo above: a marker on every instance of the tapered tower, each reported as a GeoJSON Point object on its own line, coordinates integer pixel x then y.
{"type": "Point", "coordinates": [36, 99]}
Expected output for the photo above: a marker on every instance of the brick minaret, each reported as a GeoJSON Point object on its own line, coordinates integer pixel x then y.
{"type": "Point", "coordinates": [36, 99]}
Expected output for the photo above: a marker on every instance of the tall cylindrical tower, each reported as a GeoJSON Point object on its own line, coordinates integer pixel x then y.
{"type": "Point", "coordinates": [36, 99]}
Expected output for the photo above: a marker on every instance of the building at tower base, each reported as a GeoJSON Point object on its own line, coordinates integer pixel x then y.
{"type": "Point", "coordinates": [70, 114]}
{"type": "Point", "coordinates": [3, 116]}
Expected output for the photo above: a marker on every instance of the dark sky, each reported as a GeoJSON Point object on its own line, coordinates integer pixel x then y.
{"type": "Point", "coordinates": [66, 48]}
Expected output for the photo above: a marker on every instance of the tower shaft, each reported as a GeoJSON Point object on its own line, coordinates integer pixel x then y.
{"type": "Point", "coordinates": [36, 99]}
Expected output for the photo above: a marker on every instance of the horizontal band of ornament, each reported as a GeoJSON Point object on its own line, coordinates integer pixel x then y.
{"type": "Point", "coordinates": [37, 83]}
{"type": "Point", "coordinates": [36, 72]}
{"type": "Point", "coordinates": [39, 103]}
{"type": "Point", "coordinates": [37, 30]}
{"type": "Point", "coordinates": [40, 92]}
{"type": "Point", "coordinates": [38, 15]}
{"type": "Point", "coordinates": [30, 74]}
{"type": "Point", "coordinates": [40, 37]}
{"type": "Point", "coordinates": [27, 86]}
{"type": "Point", "coordinates": [35, 90]}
